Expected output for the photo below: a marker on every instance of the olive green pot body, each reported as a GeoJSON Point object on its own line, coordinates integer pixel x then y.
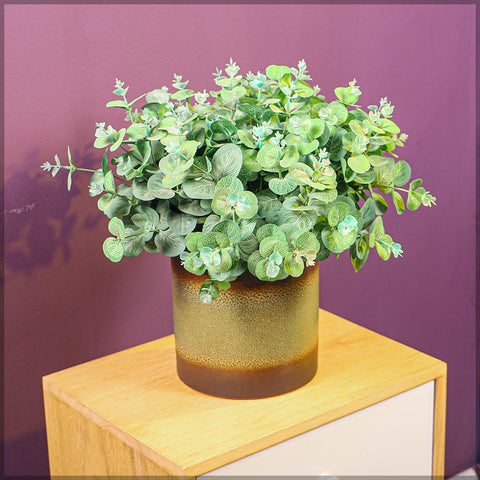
{"type": "Point", "coordinates": [257, 339]}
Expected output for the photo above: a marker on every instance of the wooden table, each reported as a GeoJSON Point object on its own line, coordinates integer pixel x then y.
{"type": "Point", "coordinates": [129, 414]}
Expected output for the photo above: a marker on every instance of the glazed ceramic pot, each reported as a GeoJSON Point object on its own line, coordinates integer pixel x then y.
{"type": "Point", "coordinates": [257, 339]}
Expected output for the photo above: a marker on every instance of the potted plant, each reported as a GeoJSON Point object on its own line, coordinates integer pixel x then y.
{"type": "Point", "coordinates": [247, 187]}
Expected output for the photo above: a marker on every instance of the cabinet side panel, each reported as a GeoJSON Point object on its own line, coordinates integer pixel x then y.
{"type": "Point", "coordinates": [77, 446]}
{"type": "Point", "coordinates": [439, 427]}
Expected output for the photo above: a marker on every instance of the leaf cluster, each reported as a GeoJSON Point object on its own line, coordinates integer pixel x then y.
{"type": "Point", "coordinates": [262, 174]}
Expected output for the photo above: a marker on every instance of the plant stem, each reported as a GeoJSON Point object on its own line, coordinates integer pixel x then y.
{"type": "Point", "coordinates": [123, 180]}
{"type": "Point", "coordinates": [135, 235]}
{"type": "Point", "coordinates": [202, 170]}
{"type": "Point", "coordinates": [77, 168]}
{"type": "Point", "coordinates": [131, 152]}
{"type": "Point", "coordinates": [129, 108]}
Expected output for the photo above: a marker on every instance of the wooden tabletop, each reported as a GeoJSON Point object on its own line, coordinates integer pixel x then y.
{"type": "Point", "coordinates": [136, 395]}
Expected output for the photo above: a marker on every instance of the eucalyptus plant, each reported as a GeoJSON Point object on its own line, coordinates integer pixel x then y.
{"type": "Point", "coordinates": [262, 175]}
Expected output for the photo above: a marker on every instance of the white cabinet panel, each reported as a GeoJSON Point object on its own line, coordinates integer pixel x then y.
{"type": "Point", "coordinates": [393, 437]}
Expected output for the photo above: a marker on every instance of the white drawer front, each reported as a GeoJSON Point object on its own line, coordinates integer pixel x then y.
{"type": "Point", "coordinates": [393, 437]}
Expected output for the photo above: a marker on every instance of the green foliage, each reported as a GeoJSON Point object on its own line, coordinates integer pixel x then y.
{"type": "Point", "coordinates": [262, 174]}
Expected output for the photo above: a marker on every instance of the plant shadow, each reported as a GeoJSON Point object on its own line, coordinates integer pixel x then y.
{"type": "Point", "coordinates": [40, 215]}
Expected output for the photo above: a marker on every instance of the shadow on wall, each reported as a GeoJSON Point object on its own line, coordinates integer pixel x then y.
{"type": "Point", "coordinates": [19, 453]}
{"type": "Point", "coordinates": [38, 221]}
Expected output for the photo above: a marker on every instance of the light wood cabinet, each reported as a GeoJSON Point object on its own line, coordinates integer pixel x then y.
{"type": "Point", "coordinates": [375, 407]}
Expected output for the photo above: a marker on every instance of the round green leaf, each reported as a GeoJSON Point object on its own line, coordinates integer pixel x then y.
{"type": "Point", "coordinates": [261, 270]}
{"type": "Point", "coordinates": [132, 245]}
{"type": "Point", "coordinates": [289, 156]}
{"type": "Point", "coordinates": [253, 111]}
{"type": "Point", "coordinates": [230, 229]}
{"type": "Point", "coordinates": [335, 241]}
{"type": "Point", "coordinates": [188, 148]}
{"type": "Point", "coordinates": [194, 208]}
{"type": "Point", "coordinates": [401, 173]}
{"type": "Point", "coordinates": [224, 265]}
{"type": "Point", "coordinates": [104, 201]}
{"type": "Point", "coordinates": [252, 209]}
{"type": "Point", "coordinates": [199, 188]}
{"type": "Point", "coordinates": [136, 131]}
{"type": "Point", "coordinates": [215, 240]}
{"type": "Point", "coordinates": [382, 250]}
{"type": "Point", "coordinates": [192, 267]}
{"type": "Point", "coordinates": [305, 148]}
{"type": "Point", "coordinates": [414, 199]}
{"type": "Point", "coordinates": [173, 180]}
{"type": "Point", "coordinates": [381, 205]}
{"type": "Point", "coordinates": [116, 227]}
{"type": "Point", "coordinates": [339, 110]}
{"type": "Point", "coordinates": [304, 89]}
{"type": "Point", "coordinates": [368, 212]}
{"type": "Point", "coordinates": [276, 72]}
{"type": "Point", "coordinates": [246, 138]}
{"type": "Point", "coordinates": [170, 243]}
{"type": "Point", "coordinates": [219, 203]}
{"type": "Point", "coordinates": [112, 248]}
{"type": "Point", "coordinates": [224, 126]}
{"type": "Point", "coordinates": [249, 245]}
{"type": "Point", "coordinates": [250, 161]}
{"type": "Point", "coordinates": [121, 135]}
{"type": "Point", "coordinates": [232, 183]}
{"type": "Point", "coordinates": [302, 220]}
{"type": "Point", "coordinates": [268, 157]}
{"type": "Point", "coordinates": [156, 188]}
{"type": "Point", "coordinates": [95, 186]}
{"type": "Point", "coordinates": [345, 97]}
{"type": "Point", "coordinates": [282, 186]}
{"type": "Point", "coordinates": [102, 142]}
{"type": "Point", "coordinates": [292, 267]}
{"type": "Point", "coordinates": [273, 245]}
{"type": "Point", "coordinates": [337, 212]}
{"type": "Point", "coordinates": [140, 190]}
{"type": "Point", "coordinates": [181, 223]}
{"type": "Point", "coordinates": [210, 222]}
{"type": "Point", "coordinates": [118, 207]}
{"type": "Point", "coordinates": [315, 129]}
{"type": "Point", "coordinates": [227, 161]}
{"type": "Point", "coordinates": [365, 178]}
{"type": "Point", "coordinates": [298, 125]}
{"type": "Point", "coordinates": [359, 163]}
{"type": "Point", "coordinates": [398, 202]}
{"type": "Point", "coordinates": [247, 226]}
{"type": "Point", "coordinates": [388, 126]}
{"type": "Point", "coordinates": [269, 206]}
{"type": "Point", "coordinates": [109, 182]}
{"type": "Point", "coordinates": [146, 214]}
{"type": "Point", "coordinates": [193, 241]}
{"type": "Point", "coordinates": [384, 173]}
{"type": "Point", "coordinates": [270, 230]}
{"type": "Point", "coordinates": [144, 148]}
{"type": "Point", "coordinates": [377, 160]}
{"type": "Point", "coordinates": [254, 258]}
{"type": "Point", "coordinates": [306, 241]}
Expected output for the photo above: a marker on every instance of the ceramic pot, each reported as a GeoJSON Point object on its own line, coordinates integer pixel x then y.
{"type": "Point", "coordinates": [257, 339]}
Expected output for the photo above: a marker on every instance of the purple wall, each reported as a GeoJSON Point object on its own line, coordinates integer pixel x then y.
{"type": "Point", "coordinates": [67, 304]}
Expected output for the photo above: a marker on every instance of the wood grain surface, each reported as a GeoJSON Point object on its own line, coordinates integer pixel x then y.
{"type": "Point", "coordinates": [131, 415]}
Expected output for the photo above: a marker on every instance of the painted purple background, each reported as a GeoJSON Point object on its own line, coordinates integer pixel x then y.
{"type": "Point", "coordinates": [67, 304]}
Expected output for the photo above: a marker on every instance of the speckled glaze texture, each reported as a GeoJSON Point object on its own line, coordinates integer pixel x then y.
{"type": "Point", "coordinates": [258, 339]}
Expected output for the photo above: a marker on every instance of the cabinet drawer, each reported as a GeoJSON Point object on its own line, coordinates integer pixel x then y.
{"type": "Point", "coordinates": [392, 437]}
